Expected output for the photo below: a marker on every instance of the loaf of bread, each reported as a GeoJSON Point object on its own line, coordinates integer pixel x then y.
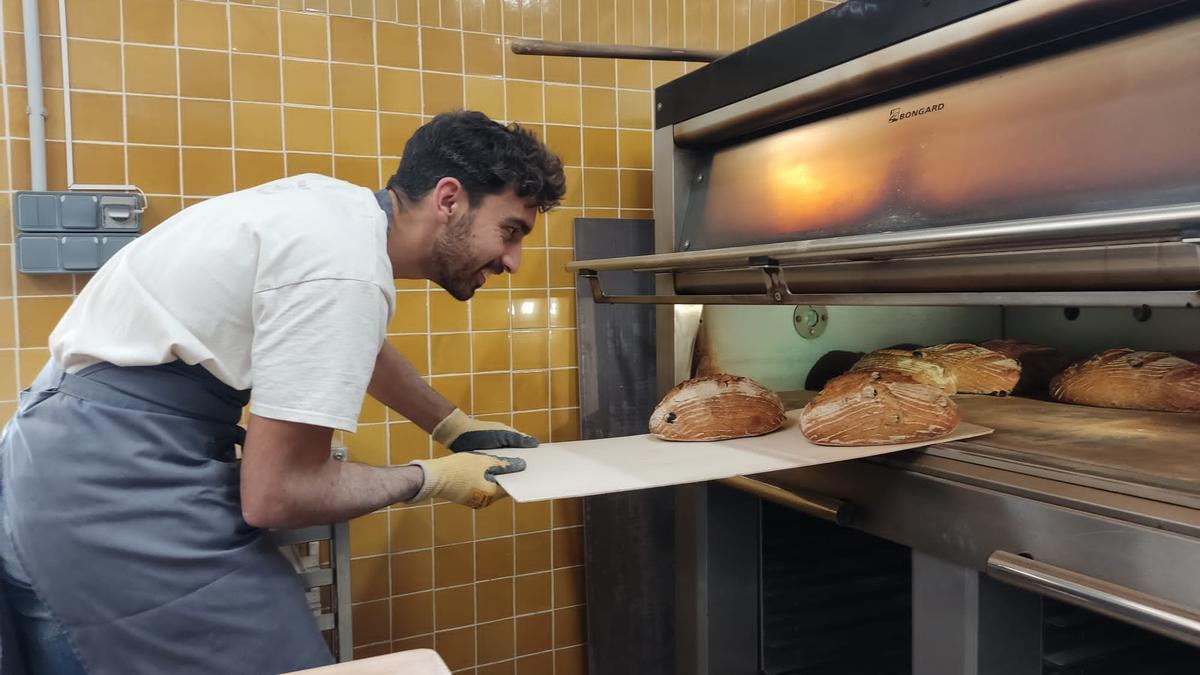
{"type": "Point", "coordinates": [1039, 363]}
{"type": "Point", "coordinates": [975, 369]}
{"type": "Point", "coordinates": [1193, 356]}
{"type": "Point", "coordinates": [1124, 378]}
{"type": "Point", "coordinates": [877, 408]}
{"type": "Point", "coordinates": [908, 363]}
{"type": "Point", "coordinates": [955, 368]}
{"type": "Point", "coordinates": [717, 407]}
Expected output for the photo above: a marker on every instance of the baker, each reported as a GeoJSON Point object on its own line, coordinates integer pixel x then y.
{"type": "Point", "coordinates": [133, 538]}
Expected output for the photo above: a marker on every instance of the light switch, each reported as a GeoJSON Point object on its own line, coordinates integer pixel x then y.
{"type": "Point", "coordinates": [38, 254]}
{"type": "Point", "coordinates": [80, 253]}
{"type": "Point", "coordinates": [37, 212]}
{"type": "Point", "coordinates": [111, 244]}
{"type": "Point", "coordinates": [75, 231]}
{"type": "Point", "coordinates": [78, 212]}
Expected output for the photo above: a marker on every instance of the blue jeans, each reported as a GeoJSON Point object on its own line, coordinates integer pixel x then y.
{"type": "Point", "coordinates": [29, 633]}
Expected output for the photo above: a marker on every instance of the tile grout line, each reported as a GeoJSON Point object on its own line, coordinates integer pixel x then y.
{"type": "Point", "coordinates": [282, 91]}
{"type": "Point", "coordinates": [504, 33]}
{"type": "Point", "coordinates": [178, 98]}
{"type": "Point", "coordinates": [327, 19]}
{"type": "Point", "coordinates": [124, 114]}
{"type": "Point", "coordinates": [232, 97]}
{"type": "Point", "coordinates": [8, 152]}
{"type": "Point", "coordinates": [387, 427]}
{"type": "Point", "coordinates": [549, 321]}
{"type": "Point", "coordinates": [428, 342]}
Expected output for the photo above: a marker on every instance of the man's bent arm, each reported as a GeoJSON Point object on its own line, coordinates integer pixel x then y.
{"type": "Point", "coordinates": [397, 384]}
{"type": "Point", "coordinates": [289, 479]}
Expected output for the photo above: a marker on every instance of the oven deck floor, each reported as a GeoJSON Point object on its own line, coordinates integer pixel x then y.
{"type": "Point", "coordinates": [1142, 450]}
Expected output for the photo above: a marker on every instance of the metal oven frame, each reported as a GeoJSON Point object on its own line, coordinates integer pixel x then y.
{"type": "Point", "coordinates": [982, 529]}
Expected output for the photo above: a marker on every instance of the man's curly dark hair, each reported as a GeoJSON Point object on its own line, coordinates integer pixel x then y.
{"type": "Point", "coordinates": [485, 156]}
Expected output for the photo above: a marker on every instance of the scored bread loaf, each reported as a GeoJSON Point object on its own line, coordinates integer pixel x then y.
{"type": "Point", "coordinates": [717, 407]}
{"type": "Point", "coordinates": [975, 369]}
{"type": "Point", "coordinates": [1039, 363]}
{"type": "Point", "coordinates": [1124, 378]}
{"type": "Point", "coordinates": [908, 363]}
{"type": "Point", "coordinates": [877, 408]}
{"type": "Point", "coordinates": [1193, 356]}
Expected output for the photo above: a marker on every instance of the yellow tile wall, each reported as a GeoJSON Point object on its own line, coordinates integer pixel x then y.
{"type": "Point", "coordinates": [193, 98]}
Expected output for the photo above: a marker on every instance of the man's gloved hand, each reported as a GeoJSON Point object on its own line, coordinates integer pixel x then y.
{"type": "Point", "coordinates": [468, 478]}
{"type": "Point", "coordinates": [464, 434]}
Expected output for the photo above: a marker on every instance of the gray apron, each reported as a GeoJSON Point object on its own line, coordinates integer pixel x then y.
{"type": "Point", "coordinates": [122, 490]}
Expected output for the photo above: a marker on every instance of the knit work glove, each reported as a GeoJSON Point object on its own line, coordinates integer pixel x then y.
{"type": "Point", "coordinates": [460, 433]}
{"type": "Point", "coordinates": [468, 478]}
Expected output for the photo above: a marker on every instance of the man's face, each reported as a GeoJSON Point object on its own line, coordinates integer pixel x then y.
{"type": "Point", "coordinates": [481, 241]}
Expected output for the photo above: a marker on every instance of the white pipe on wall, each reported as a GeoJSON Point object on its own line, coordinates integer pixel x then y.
{"type": "Point", "coordinates": [66, 82]}
{"type": "Point", "coordinates": [37, 103]}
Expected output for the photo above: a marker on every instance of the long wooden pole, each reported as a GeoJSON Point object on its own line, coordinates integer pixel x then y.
{"type": "Point", "coordinates": [554, 48]}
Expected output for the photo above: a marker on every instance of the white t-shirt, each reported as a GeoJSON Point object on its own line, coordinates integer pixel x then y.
{"type": "Point", "coordinates": [285, 288]}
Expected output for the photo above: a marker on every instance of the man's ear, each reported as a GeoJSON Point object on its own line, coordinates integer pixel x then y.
{"type": "Point", "coordinates": [448, 195]}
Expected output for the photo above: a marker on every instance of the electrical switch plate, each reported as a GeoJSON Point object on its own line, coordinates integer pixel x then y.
{"type": "Point", "coordinates": [38, 254]}
{"type": "Point", "coordinates": [37, 212]}
{"type": "Point", "coordinates": [119, 213]}
{"type": "Point", "coordinates": [76, 231]}
{"type": "Point", "coordinates": [80, 253]}
{"type": "Point", "coordinates": [111, 244]}
{"type": "Point", "coordinates": [78, 212]}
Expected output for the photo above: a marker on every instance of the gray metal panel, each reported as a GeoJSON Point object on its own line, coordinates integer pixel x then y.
{"type": "Point", "coordinates": [967, 624]}
{"type": "Point", "coordinates": [616, 343]}
{"type": "Point", "coordinates": [628, 547]}
{"type": "Point", "coordinates": [80, 253]}
{"type": "Point", "coordinates": [109, 245]}
{"type": "Point", "coordinates": [58, 253]}
{"type": "Point", "coordinates": [78, 212]}
{"type": "Point", "coordinates": [716, 587]}
{"type": "Point", "coordinates": [37, 212]}
{"type": "Point", "coordinates": [302, 535]}
{"type": "Point", "coordinates": [38, 254]}
{"type": "Point", "coordinates": [343, 610]}
{"type": "Point", "coordinates": [315, 578]}
{"type": "Point", "coordinates": [965, 524]}
{"type": "Point", "coordinates": [68, 232]}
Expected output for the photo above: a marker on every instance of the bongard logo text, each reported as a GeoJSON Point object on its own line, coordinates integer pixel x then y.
{"type": "Point", "coordinates": [897, 114]}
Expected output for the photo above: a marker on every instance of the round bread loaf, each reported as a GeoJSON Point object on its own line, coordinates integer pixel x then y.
{"type": "Point", "coordinates": [975, 369]}
{"type": "Point", "coordinates": [877, 408]}
{"type": "Point", "coordinates": [909, 363]}
{"type": "Point", "coordinates": [1193, 356]}
{"type": "Point", "coordinates": [1039, 363]}
{"type": "Point", "coordinates": [717, 407]}
{"type": "Point", "coordinates": [1124, 378]}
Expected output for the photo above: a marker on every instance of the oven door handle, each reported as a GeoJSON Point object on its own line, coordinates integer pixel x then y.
{"type": "Point", "coordinates": [1113, 600]}
{"type": "Point", "coordinates": [832, 509]}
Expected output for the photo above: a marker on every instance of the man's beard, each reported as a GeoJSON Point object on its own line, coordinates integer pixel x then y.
{"type": "Point", "coordinates": [454, 268]}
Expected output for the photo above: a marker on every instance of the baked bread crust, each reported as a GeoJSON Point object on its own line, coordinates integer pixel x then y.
{"type": "Point", "coordinates": [975, 369]}
{"type": "Point", "coordinates": [1124, 378]}
{"type": "Point", "coordinates": [908, 363]}
{"type": "Point", "coordinates": [877, 408]}
{"type": "Point", "coordinates": [955, 368]}
{"type": "Point", "coordinates": [717, 407]}
{"type": "Point", "coordinates": [1039, 363]}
